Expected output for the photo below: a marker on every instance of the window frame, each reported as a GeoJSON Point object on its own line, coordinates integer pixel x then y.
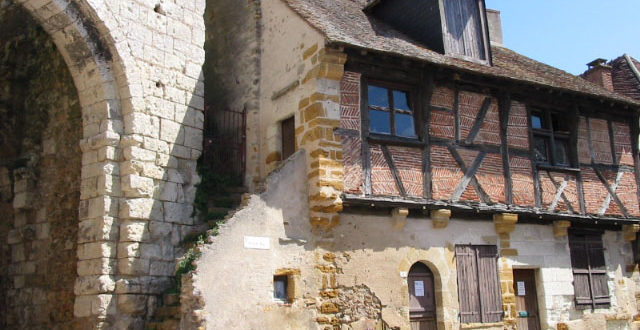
{"type": "Point", "coordinates": [551, 134]}
{"type": "Point", "coordinates": [412, 102]}
{"type": "Point", "coordinates": [586, 237]}
{"type": "Point", "coordinates": [480, 315]}
{"type": "Point", "coordinates": [286, 144]}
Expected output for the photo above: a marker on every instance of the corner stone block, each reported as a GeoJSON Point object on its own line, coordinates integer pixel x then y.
{"type": "Point", "coordinates": [440, 218]}
{"type": "Point", "coordinates": [560, 228]}
{"type": "Point", "coordinates": [141, 208]}
{"type": "Point", "coordinates": [94, 284]}
{"type": "Point", "coordinates": [630, 231]}
{"type": "Point", "coordinates": [505, 223]}
{"type": "Point", "coordinates": [399, 216]}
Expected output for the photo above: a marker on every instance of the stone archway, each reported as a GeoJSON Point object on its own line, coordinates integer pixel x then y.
{"type": "Point", "coordinates": [85, 283]}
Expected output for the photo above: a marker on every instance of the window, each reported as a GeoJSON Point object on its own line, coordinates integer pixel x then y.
{"type": "Point", "coordinates": [280, 288]}
{"type": "Point", "coordinates": [589, 271]}
{"type": "Point", "coordinates": [390, 111]}
{"type": "Point", "coordinates": [550, 138]}
{"type": "Point", "coordinates": [288, 133]}
{"type": "Point", "coordinates": [478, 285]}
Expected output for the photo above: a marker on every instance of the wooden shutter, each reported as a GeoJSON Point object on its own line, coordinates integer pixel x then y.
{"type": "Point", "coordinates": [478, 284]}
{"type": "Point", "coordinates": [589, 271]}
{"type": "Point", "coordinates": [489, 284]}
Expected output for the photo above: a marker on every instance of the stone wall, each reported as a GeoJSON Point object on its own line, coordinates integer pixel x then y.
{"type": "Point", "coordinates": [41, 124]}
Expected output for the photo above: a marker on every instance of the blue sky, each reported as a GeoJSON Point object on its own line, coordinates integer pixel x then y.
{"type": "Point", "coordinates": [570, 33]}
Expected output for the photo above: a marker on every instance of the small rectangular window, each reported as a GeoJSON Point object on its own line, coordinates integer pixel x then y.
{"type": "Point", "coordinates": [390, 111]}
{"type": "Point", "coordinates": [550, 138]}
{"type": "Point", "coordinates": [280, 288]}
{"type": "Point", "coordinates": [288, 132]}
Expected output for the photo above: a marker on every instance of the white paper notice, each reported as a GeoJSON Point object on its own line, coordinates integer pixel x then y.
{"type": "Point", "coordinates": [418, 287]}
{"type": "Point", "coordinates": [520, 287]}
{"type": "Point", "coordinates": [259, 243]}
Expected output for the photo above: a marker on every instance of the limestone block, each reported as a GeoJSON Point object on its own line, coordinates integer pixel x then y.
{"type": "Point", "coordinates": [560, 228]}
{"type": "Point", "coordinates": [141, 208]}
{"type": "Point", "coordinates": [440, 218]}
{"type": "Point", "coordinates": [178, 213]}
{"type": "Point", "coordinates": [137, 153]}
{"type": "Point", "coordinates": [159, 229]}
{"type": "Point", "coordinates": [129, 250]}
{"type": "Point", "coordinates": [399, 217]}
{"type": "Point", "coordinates": [168, 191]}
{"type": "Point", "coordinates": [150, 251]}
{"type": "Point", "coordinates": [142, 124]}
{"type": "Point", "coordinates": [82, 306]}
{"type": "Point", "coordinates": [505, 223]}
{"type": "Point", "coordinates": [100, 206]}
{"type": "Point", "coordinates": [171, 132]}
{"type": "Point", "coordinates": [96, 250]}
{"type": "Point", "coordinates": [23, 200]}
{"type": "Point", "coordinates": [134, 231]}
{"type": "Point", "coordinates": [162, 268]}
{"type": "Point", "coordinates": [99, 229]}
{"type": "Point", "coordinates": [42, 231]}
{"type": "Point", "coordinates": [108, 153]}
{"type": "Point", "coordinates": [102, 266]}
{"type": "Point", "coordinates": [133, 266]}
{"type": "Point", "coordinates": [137, 186]}
{"type": "Point", "coordinates": [14, 237]}
{"type": "Point", "coordinates": [133, 304]}
{"type": "Point", "coordinates": [630, 231]}
{"type": "Point", "coordinates": [103, 304]}
{"type": "Point", "coordinates": [193, 138]}
{"type": "Point", "coordinates": [94, 284]}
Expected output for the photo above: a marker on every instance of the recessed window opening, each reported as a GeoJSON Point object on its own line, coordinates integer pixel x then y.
{"type": "Point", "coordinates": [280, 288]}
{"type": "Point", "coordinates": [288, 134]}
{"type": "Point", "coordinates": [550, 138]}
{"type": "Point", "coordinates": [390, 111]}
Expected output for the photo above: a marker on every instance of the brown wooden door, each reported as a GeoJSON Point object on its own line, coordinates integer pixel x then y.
{"type": "Point", "coordinates": [524, 285]}
{"type": "Point", "coordinates": [422, 302]}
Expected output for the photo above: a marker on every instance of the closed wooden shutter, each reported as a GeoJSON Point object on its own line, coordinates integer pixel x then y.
{"type": "Point", "coordinates": [478, 284]}
{"type": "Point", "coordinates": [589, 271]}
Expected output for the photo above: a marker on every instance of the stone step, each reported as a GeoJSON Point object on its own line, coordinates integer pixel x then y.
{"type": "Point", "coordinates": [171, 299]}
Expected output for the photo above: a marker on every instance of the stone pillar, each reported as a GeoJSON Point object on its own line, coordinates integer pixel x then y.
{"type": "Point", "coordinates": [505, 223]}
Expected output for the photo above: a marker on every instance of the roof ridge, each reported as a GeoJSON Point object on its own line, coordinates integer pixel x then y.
{"type": "Point", "coordinates": [633, 67]}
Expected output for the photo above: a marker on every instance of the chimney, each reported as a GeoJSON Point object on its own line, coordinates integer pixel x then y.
{"type": "Point", "coordinates": [495, 26]}
{"type": "Point", "coordinates": [599, 73]}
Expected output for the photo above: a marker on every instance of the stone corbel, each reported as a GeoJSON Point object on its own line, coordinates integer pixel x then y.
{"type": "Point", "coordinates": [505, 223]}
{"type": "Point", "coordinates": [560, 228]}
{"type": "Point", "coordinates": [440, 218]}
{"type": "Point", "coordinates": [399, 217]}
{"type": "Point", "coordinates": [629, 232]}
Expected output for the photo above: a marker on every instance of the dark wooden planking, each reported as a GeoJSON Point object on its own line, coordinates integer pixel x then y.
{"type": "Point", "coordinates": [504, 108]}
{"type": "Point", "coordinates": [427, 92]}
{"type": "Point", "coordinates": [468, 295]}
{"type": "Point", "coordinates": [477, 124]}
{"type": "Point", "coordinates": [394, 170]}
{"type": "Point", "coordinates": [489, 284]}
{"type": "Point", "coordinates": [364, 130]}
{"type": "Point", "coordinates": [534, 169]}
{"type": "Point", "coordinates": [574, 159]}
{"type": "Point", "coordinates": [634, 124]}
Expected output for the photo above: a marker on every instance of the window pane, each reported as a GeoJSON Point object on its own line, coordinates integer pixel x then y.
{"type": "Point", "coordinates": [379, 121]}
{"type": "Point", "coordinates": [280, 287]}
{"type": "Point", "coordinates": [540, 148]}
{"type": "Point", "coordinates": [536, 120]}
{"type": "Point", "coordinates": [559, 123]}
{"type": "Point", "coordinates": [400, 100]}
{"type": "Point", "coordinates": [378, 96]}
{"type": "Point", "coordinates": [404, 125]}
{"type": "Point", "coordinates": [562, 153]}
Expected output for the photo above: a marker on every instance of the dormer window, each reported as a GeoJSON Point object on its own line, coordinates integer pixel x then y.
{"type": "Point", "coordinates": [457, 28]}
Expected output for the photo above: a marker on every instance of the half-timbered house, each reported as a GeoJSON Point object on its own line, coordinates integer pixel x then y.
{"type": "Point", "coordinates": [440, 180]}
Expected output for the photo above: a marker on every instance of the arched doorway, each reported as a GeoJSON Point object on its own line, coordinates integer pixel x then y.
{"type": "Point", "coordinates": [422, 301]}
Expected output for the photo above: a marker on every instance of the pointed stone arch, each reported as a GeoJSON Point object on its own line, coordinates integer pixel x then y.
{"type": "Point", "coordinates": [89, 51]}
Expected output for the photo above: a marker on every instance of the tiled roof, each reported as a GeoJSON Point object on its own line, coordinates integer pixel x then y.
{"type": "Point", "coordinates": [625, 80]}
{"type": "Point", "coordinates": [343, 22]}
